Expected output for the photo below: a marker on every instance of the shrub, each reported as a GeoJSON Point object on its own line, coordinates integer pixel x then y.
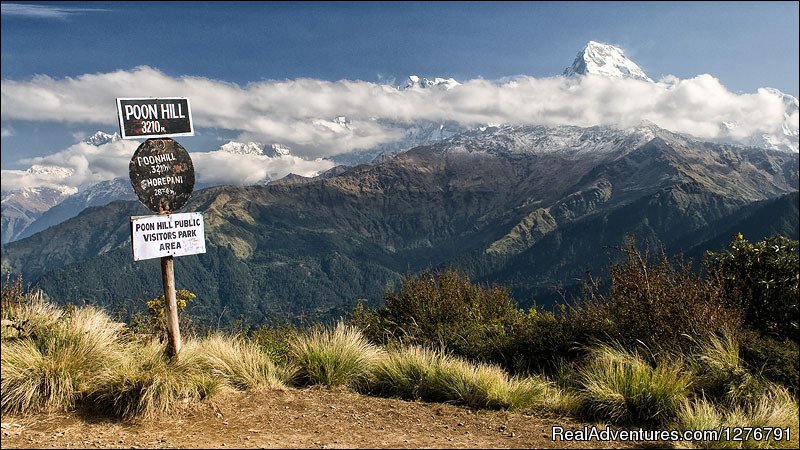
{"type": "Point", "coordinates": [444, 309]}
{"type": "Point", "coordinates": [276, 341]}
{"type": "Point", "coordinates": [763, 277]}
{"type": "Point", "coordinates": [622, 387]}
{"type": "Point", "coordinates": [777, 360]}
{"type": "Point", "coordinates": [57, 357]}
{"type": "Point", "coordinates": [242, 364]}
{"type": "Point", "coordinates": [656, 302]}
{"type": "Point", "coordinates": [341, 356]}
{"type": "Point", "coordinates": [148, 384]}
{"type": "Point", "coordinates": [155, 323]}
{"type": "Point", "coordinates": [543, 341]}
{"type": "Point", "coordinates": [12, 296]}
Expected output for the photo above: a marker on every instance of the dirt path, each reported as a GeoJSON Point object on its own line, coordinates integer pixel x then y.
{"type": "Point", "coordinates": [297, 418]}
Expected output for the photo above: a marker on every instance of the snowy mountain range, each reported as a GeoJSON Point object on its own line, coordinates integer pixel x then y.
{"type": "Point", "coordinates": [101, 137]}
{"type": "Point", "coordinates": [23, 207]}
{"type": "Point", "coordinates": [415, 81]}
{"type": "Point", "coordinates": [610, 61]}
{"type": "Point", "coordinates": [420, 132]}
{"type": "Point", "coordinates": [786, 140]}
{"type": "Point", "coordinates": [255, 148]}
{"type": "Point", "coordinates": [565, 141]}
{"type": "Point", "coordinates": [99, 194]}
{"type": "Point", "coordinates": [31, 210]}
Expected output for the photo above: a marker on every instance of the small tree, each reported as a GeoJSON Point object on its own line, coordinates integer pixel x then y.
{"type": "Point", "coordinates": [763, 277]}
{"type": "Point", "coordinates": [156, 321]}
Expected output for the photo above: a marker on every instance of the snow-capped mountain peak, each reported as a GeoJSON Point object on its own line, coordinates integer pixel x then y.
{"type": "Point", "coordinates": [607, 60]}
{"type": "Point", "coordinates": [52, 171]}
{"type": "Point", "coordinates": [440, 83]}
{"type": "Point", "coordinates": [101, 138]}
{"type": "Point", "coordinates": [255, 148]}
{"type": "Point", "coordinates": [278, 150]}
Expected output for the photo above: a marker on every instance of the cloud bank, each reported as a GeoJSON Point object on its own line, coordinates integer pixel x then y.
{"type": "Point", "coordinates": [302, 114]}
{"type": "Point", "coordinates": [299, 113]}
{"type": "Point", "coordinates": [82, 165]}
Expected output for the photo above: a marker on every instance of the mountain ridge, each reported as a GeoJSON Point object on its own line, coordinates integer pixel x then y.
{"type": "Point", "coordinates": [509, 212]}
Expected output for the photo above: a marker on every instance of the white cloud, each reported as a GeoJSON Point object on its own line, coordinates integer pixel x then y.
{"type": "Point", "coordinates": [298, 113]}
{"type": "Point", "coordinates": [225, 168]}
{"type": "Point", "coordinates": [7, 131]}
{"type": "Point", "coordinates": [87, 164]}
{"type": "Point", "coordinates": [43, 11]}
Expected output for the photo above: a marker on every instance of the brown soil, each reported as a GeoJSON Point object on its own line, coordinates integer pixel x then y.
{"type": "Point", "coordinates": [297, 418]}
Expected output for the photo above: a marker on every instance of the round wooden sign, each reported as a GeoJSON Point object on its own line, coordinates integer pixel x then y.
{"type": "Point", "coordinates": [162, 175]}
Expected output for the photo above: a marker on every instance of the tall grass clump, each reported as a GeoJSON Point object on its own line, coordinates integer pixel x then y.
{"type": "Point", "coordinates": [620, 386]}
{"type": "Point", "coordinates": [418, 373]}
{"type": "Point", "coordinates": [701, 414]}
{"type": "Point", "coordinates": [525, 393]}
{"type": "Point", "coordinates": [55, 357]}
{"type": "Point", "coordinates": [241, 363]}
{"type": "Point", "coordinates": [773, 408]}
{"type": "Point", "coordinates": [148, 384]}
{"type": "Point", "coordinates": [405, 373]}
{"type": "Point", "coordinates": [340, 356]}
{"type": "Point", "coordinates": [479, 385]}
{"type": "Point", "coordinates": [720, 374]}
{"type": "Point", "coordinates": [563, 401]}
{"type": "Point", "coordinates": [23, 311]}
{"type": "Point", "coordinates": [29, 318]}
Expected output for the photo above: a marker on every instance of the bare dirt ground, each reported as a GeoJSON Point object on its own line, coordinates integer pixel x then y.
{"type": "Point", "coordinates": [297, 418]}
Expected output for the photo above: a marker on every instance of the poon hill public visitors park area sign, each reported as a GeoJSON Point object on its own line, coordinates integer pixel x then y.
{"type": "Point", "coordinates": [162, 175]}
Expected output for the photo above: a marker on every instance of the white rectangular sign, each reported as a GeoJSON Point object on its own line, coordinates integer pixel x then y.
{"type": "Point", "coordinates": [178, 234]}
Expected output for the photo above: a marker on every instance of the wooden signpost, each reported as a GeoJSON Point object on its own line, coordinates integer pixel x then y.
{"type": "Point", "coordinates": [162, 175]}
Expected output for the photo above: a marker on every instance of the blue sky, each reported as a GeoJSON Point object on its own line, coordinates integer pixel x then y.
{"type": "Point", "coordinates": [744, 45]}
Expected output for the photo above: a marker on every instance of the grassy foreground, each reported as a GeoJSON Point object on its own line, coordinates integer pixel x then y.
{"type": "Point", "coordinates": [59, 359]}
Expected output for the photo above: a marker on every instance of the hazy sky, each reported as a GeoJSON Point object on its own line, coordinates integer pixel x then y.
{"type": "Point", "coordinates": [278, 70]}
